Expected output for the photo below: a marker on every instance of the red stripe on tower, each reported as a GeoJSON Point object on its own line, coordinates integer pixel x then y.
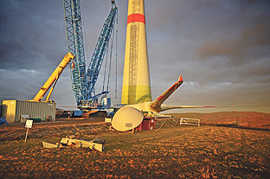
{"type": "Point", "coordinates": [136, 18]}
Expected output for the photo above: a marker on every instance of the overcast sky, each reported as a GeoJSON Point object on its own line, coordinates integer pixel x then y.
{"type": "Point", "coordinates": [222, 48]}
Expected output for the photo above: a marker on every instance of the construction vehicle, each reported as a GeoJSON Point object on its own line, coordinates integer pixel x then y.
{"type": "Point", "coordinates": [84, 79]}
{"type": "Point", "coordinates": [51, 82]}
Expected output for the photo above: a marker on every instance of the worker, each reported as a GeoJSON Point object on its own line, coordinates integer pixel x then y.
{"type": "Point", "coordinates": [113, 1]}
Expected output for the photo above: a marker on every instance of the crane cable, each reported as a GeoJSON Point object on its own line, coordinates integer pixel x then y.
{"type": "Point", "coordinates": [116, 56]}
{"type": "Point", "coordinates": [105, 71]}
{"type": "Point", "coordinates": [110, 62]}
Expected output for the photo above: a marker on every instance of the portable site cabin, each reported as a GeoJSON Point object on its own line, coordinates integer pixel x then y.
{"type": "Point", "coordinates": [20, 111]}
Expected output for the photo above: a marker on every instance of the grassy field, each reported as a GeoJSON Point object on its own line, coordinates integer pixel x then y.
{"type": "Point", "coordinates": [168, 152]}
{"type": "Point", "coordinates": [254, 120]}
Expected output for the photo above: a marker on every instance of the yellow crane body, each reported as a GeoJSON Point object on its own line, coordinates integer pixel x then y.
{"type": "Point", "coordinates": [53, 79]}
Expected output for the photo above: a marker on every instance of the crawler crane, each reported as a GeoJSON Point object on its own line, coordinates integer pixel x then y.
{"type": "Point", "coordinates": [84, 79]}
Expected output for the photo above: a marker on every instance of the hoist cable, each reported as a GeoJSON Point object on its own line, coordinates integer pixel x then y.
{"type": "Point", "coordinates": [116, 56]}
{"type": "Point", "coordinates": [105, 72]}
{"type": "Point", "coordinates": [110, 62]}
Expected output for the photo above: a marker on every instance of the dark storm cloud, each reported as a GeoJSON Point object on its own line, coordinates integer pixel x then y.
{"type": "Point", "coordinates": [246, 54]}
{"type": "Point", "coordinates": [27, 29]}
{"type": "Point", "coordinates": [255, 36]}
{"type": "Point", "coordinates": [221, 47]}
{"type": "Point", "coordinates": [252, 33]}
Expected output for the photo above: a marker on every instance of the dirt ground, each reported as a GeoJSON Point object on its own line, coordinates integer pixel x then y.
{"type": "Point", "coordinates": [172, 151]}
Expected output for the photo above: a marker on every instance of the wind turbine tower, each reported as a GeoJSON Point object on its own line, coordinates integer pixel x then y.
{"type": "Point", "coordinates": [136, 78]}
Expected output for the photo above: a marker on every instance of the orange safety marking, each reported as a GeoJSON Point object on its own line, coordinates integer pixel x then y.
{"type": "Point", "coordinates": [136, 18]}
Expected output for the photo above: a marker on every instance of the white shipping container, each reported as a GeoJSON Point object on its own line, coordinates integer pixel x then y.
{"type": "Point", "coordinates": [17, 110]}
